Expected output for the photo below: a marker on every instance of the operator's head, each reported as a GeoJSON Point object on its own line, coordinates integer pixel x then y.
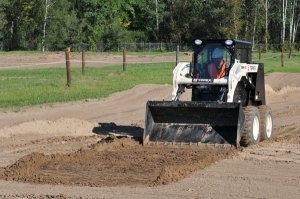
{"type": "Point", "coordinates": [217, 53]}
{"type": "Point", "coordinates": [217, 56]}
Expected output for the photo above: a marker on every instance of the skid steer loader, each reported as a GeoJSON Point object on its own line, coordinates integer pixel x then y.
{"type": "Point", "coordinates": [227, 105]}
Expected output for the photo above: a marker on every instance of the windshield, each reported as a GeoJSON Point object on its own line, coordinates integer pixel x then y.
{"type": "Point", "coordinates": [212, 61]}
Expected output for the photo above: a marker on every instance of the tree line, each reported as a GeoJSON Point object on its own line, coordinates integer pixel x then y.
{"type": "Point", "coordinates": [54, 24]}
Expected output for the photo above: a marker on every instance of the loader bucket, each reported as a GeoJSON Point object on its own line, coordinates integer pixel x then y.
{"type": "Point", "coordinates": [193, 122]}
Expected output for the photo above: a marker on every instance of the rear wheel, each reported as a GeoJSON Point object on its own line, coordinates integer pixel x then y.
{"type": "Point", "coordinates": [251, 134]}
{"type": "Point", "coordinates": [266, 122]}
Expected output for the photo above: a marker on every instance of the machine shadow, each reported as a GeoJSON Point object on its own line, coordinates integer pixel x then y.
{"type": "Point", "coordinates": [119, 130]}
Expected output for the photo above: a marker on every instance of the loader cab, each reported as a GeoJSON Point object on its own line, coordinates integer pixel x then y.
{"type": "Point", "coordinates": [204, 55]}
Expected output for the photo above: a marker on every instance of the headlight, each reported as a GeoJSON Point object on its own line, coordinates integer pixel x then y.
{"type": "Point", "coordinates": [229, 42]}
{"type": "Point", "coordinates": [198, 42]}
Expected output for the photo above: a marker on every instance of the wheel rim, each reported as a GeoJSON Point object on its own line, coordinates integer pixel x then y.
{"type": "Point", "coordinates": [269, 125]}
{"type": "Point", "coordinates": [255, 128]}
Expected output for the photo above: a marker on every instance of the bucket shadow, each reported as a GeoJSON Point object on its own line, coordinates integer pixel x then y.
{"type": "Point", "coordinates": [109, 128]}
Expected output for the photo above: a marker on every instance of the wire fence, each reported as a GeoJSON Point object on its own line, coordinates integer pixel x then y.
{"type": "Point", "coordinates": [157, 47]}
{"type": "Point", "coordinates": [100, 59]}
{"type": "Point", "coordinates": [134, 47]}
{"type": "Point", "coordinates": [167, 47]}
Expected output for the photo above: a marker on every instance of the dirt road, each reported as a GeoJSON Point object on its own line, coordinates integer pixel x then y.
{"type": "Point", "coordinates": [59, 151]}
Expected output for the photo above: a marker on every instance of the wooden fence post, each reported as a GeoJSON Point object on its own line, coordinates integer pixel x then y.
{"type": "Point", "coordinates": [124, 59]}
{"type": "Point", "coordinates": [83, 63]}
{"type": "Point", "coordinates": [68, 66]}
{"type": "Point", "coordinates": [259, 51]}
{"type": "Point", "coordinates": [177, 53]}
{"type": "Point", "coordinates": [282, 56]}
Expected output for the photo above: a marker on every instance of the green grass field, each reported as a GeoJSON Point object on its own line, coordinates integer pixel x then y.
{"type": "Point", "coordinates": [25, 87]}
{"type": "Point", "coordinates": [272, 62]}
{"type": "Point", "coordinates": [38, 86]}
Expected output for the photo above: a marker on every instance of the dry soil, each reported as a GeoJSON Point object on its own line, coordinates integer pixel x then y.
{"type": "Point", "coordinates": [91, 149]}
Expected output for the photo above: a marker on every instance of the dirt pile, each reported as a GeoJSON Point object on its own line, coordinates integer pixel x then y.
{"type": "Point", "coordinates": [61, 126]}
{"type": "Point", "coordinates": [113, 162]}
{"type": "Point", "coordinates": [280, 80]}
{"type": "Point", "coordinates": [288, 134]}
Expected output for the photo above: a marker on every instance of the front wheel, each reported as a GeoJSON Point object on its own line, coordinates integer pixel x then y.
{"type": "Point", "coordinates": [266, 122]}
{"type": "Point", "coordinates": [251, 133]}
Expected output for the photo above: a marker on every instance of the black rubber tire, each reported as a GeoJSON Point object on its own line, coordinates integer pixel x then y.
{"type": "Point", "coordinates": [266, 122]}
{"type": "Point", "coordinates": [251, 133]}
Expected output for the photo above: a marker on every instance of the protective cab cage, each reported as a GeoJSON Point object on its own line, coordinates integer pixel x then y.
{"type": "Point", "coordinates": [237, 49]}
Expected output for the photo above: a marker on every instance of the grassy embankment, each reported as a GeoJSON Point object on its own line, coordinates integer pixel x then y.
{"type": "Point", "coordinates": [23, 87]}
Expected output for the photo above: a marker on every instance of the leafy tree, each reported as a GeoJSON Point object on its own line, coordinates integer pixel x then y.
{"type": "Point", "coordinates": [111, 22]}
{"type": "Point", "coordinates": [2, 22]}
{"type": "Point", "coordinates": [216, 19]}
{"type": "Point", "coordinates": [275, 22]}
{"type": "Point", "coordinates": [63, 26]}
{"type": "Point", "coordinates": [144, 19]}
{"type": "Point", "coordinates": [175, 23]}
{"type": "Point", "coordinates": [92, 22]}
{"type": "Point", "coordinates": [22, 24]}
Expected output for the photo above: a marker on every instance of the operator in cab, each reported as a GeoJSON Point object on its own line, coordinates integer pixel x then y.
{"type": "Point", "coordinates": [217, 69]}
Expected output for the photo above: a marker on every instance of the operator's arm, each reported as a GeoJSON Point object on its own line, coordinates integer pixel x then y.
{"type": "Point", "coordinates": [222, 72]}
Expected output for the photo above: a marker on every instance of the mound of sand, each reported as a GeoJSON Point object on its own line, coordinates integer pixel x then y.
{"type": "Point", "coordinates": [277, 81]}
{"type": "Point", "coordinates": [113, 162]}
{"type": "Point", "coordinates": [59, 127]}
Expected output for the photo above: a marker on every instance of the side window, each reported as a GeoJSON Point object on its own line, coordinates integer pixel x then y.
{"type": "Point", "coordinates": [238, 54]}
{"type": "Point", "coordinates": [203, 59]}
{"type": "Point", "coordinates": [242, 55]}
{"type": "Point", "coordinates": [226, 57]}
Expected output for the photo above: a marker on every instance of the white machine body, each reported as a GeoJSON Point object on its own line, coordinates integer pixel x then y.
{"type": "Point", "coordinates": [182, 78]}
